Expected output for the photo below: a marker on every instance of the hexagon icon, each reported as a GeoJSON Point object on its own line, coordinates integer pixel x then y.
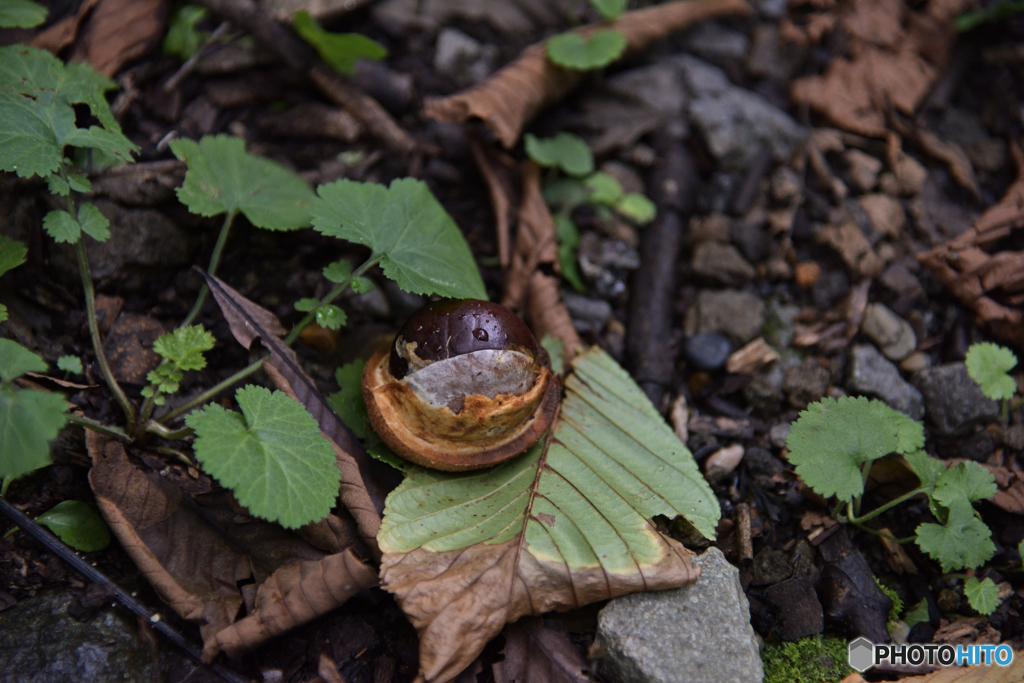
{"type": "Point", "coordinates": [862, 654]}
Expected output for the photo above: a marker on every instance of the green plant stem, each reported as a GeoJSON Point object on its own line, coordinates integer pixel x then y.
{"type": "Point", "coordinates": [154, 427]}
{"type": "Point", "coordinates": [94, 332]}
{"type": "Point", "coordinates": [879, 510]}
{"type": "Point", "coordinates": [3, 486]}
{"type": "Point", "coordinates": [218, 249]}
{"type": "Point", "coordinates": [112, 432]}
{"type": "Point", "coordinates": [147, 409]}
{"type": "Point", "coordinates": [876, 532]}
{"type": "Point", "coordinates": [209, 394]}
{"type": "Point", "coordinates": [331, 296]}
{"type": "Point", "coordinates": [865, 472]}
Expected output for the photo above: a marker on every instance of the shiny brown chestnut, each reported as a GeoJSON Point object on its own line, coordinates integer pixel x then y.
{"type": "Point", "coordinates": [464, 385]}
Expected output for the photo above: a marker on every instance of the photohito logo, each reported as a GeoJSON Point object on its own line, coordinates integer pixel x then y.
{"type": "Point", "coordinates": [864, 654]}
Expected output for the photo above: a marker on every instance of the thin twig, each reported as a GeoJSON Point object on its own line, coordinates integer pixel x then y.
{"type": "Point", "coordinates": [154, 619]}
{"type": "Point", "coordinates": [190, 63]}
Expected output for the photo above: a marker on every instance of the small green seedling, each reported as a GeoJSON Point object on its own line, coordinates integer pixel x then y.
{"type": "Point", "coordinates": [834, 443]}
{"type": "Point", "coordinates": [32, 418]}
{"type": "Point", "coordinates": [982, 595]}
{"type": "Point", "coordinates": [328, 316]}
{"type": "Point", "coordinates": [182, 349]}
{"type": "Point", "coordinates": [989, 365]}
{"type": "Point", "coordinates": [71, 365]}
{"type": "Point", "coordinates": [565, 151]}
{"type": "Point", "coordinates": [77, 524]}
{"type": "Point", "coordinates": [340, 50]}
{"type": "Point", "coordinates": [21, 14]}
{"type": "Point", "coordinates": [272, 456]}
{"type": "Point", "coordinates": [578, 53]}
{"type": "Point", "coordinates": [184, 38]}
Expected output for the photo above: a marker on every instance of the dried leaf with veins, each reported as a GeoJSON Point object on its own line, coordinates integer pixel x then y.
{"type": "Point", "coordinates": [990, 284]}
{"type": "Point", "coordinates": [508, 99]}
{"type": "Point", "coordinates": [563, 525]}
{"type": "Point", "coordinates": [362, 490]}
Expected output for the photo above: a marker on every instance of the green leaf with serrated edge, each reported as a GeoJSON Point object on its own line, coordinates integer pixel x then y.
{"type": "Point", "coordinates": [93, 223]}
{"type": "Point", "coordinates": [341, 51]}
{"type": "Point", "coordinates": [637, 208]}
{"type": "Point", "coordinates": [3, 313]}
{"type": "Point", "coordinates": [573, 51]}
{"type": "Point", "coordinates": [185, 346]}
{"type": "Point", "coordinates": [339, 271]}
{"type": "Point", "coordinates": [21, 14]}
{"type": "Point", "coordinates": [272, 456]}
{"type": "Point", "coordinates": [223, 177]}
{"type": "Point", "coordinates": [16, 360]}
{"type": "Point", "coordinates": [62, 227]}
{"type": "Point", "coordinates": [963, 542]}
{"type": "Point", "coordinates": [380, 451]}
{"type": "Point", "coordinates": [982, 595]}
{"type": "Point", "coordinates": [420, 246]}
{"type": "Point", "coordinates": [183, 38]}
{"type": "Point", "coordinates": [94, 137]}
{"type": "Point", "coordinates": [330, 317]}
{"type": "Point", "coordinates": [12, 253]}
{"type": "Point", "coordinates": [565, 524]}
{"type": "Point", "coordinates": [565, 151]}
{"type": "Point", "coordinates": [348, 402]}
{"type": "Point", "coordinates": [609, 9]}
{"type": "Point", "coordinates": [306, 304]}
{"type": "Point", "coordinates": [77, 524]}
{"type": "Point", "coordinates": [988, 365]}
{"type": "Point", "coordinates": [70, 364]}
{"type": "Point", "coordinates": [832, 439]}
{"type": "Point", "coordinates": [556, 352]}
{"type": "Point", "coordinates": [79, 182]}
{"type": "Point", "coordinates": [27, 140]}
{"type": "Point", "coordinates": [965, 481]}
{"type": "Point", "coordinates": [57, 185]}
{"type": "Point", "coordinates": [29, 421]}
{"type": "Point", "coordinates": [927, 468]}
{"type": "Point", "coordinates": [603, 188]}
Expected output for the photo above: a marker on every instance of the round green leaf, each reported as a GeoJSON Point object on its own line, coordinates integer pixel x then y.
{"type": "Point", "coordinates": [573, 51]}
{"type": "Point", "coordinates": [988, 365]}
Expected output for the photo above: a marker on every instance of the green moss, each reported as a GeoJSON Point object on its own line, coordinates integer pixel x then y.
{"type": "Point", "coordinates": [897, 604]}
{"type": "Point", "coordinates": [815, 659]}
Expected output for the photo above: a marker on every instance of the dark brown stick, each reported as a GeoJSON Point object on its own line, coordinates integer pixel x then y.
{"type": "Point", "coordinates": [90, 572]}
{"type": "Point", "coordinates": [649, 350]}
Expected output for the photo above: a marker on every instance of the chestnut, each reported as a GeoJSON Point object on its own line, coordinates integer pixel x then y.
{"type": "Point", "coordinates": [465, 385]}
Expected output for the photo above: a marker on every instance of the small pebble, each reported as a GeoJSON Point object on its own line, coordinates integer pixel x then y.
{"type": "Point", "coordinates": [707, 351]}
{"type": "Point", "coordinates": [723, 461]}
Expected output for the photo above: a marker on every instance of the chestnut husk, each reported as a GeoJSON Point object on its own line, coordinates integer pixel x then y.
{"type": "Point", "coordinates": [485, 432]}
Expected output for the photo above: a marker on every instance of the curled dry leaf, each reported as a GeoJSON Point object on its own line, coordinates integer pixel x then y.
{"type": "Point", "coordinates": [539, 655]}
{"type": "Point", "coordinates": [992, 285]}
{"type": "Point", "coordinates": [527, 286]}
{"type": "Point", "coordinates": [467, 553]}
{"type": "Point", "coordinates": [362, 488]}
{"type": "Point", "coordinates": [195, 553]}
{"type": "Point", "coordinates": [112, 34]}
{"type": "Point", "coordinates": [508, 99]}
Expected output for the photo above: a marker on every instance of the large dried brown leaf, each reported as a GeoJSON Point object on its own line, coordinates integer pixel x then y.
{"type": "Point", "coordinates": [508, 99]}
{"type": "Point", "coordinates": [362, 491]}
{"type": "Point", "coordinates": [1014, 673]}
{"type": "Point", "coordinates": [109, 33]}
{"type": "Point", "coordinates": [535, 654]}
{"type": "Point", "coordinates": [992, 285]}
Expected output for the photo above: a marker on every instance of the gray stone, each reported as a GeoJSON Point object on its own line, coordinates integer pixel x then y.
{"type": "Point", "coordinates": [461, 57]}
{"type": "Point", "coordinates": [829, 289]}
{"type": "Point", "coordinates": [657, 87]}
{"type": "Point", "coordinates": [779, 324]}
{"type": "Point", "coordinates": [953, 401]}
{"type": "Point", "coordinates": [805, 383]}
{"type": "Point", "coordinates": [751, 239]}
{"type": "Point", "coordinates": [588, 315]}
{"type": "Point", "coordinates": [965, 128]}
{"type": "Point", "coordinates": [872, 375]}
{"type": "Point", "coordinates": [605, 262]}
{"type": "Point", "coordinates": [40, 643]}
{"type": "Point", "coordinates": [772, 9]}
{"type": "Point", "coordinates": [707, 351]}
{"type": "Point", "coordinates": [735, 123]}
{"type": "Point", "coordinates": [771, 567]}
{"type": "Point", "coordinates": [721, 264]}
{"type": "Point", "coordinates": [770, 56]}
{"type": "Point", "coordinates": [738, 315]}
{"type": "Point", "coordinates": [693, 634]}
{"type": "Point", "coordinates": [779, 433]}
{"type": "Point", "coordinates": [716, 43]}
{"type": "Point", "coordinates": [891, 333]}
